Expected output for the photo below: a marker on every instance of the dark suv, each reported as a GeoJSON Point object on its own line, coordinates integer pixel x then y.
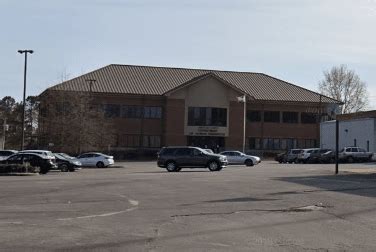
{"type": "Point", "coordinates": [35, 160]}
{"type": "Point", "coordinates": [175, 158]}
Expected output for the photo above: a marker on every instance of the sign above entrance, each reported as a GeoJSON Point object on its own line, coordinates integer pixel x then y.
{"type": "Point", "coordinates": [206, 131]}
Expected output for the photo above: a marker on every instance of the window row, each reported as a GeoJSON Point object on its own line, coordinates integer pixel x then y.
{"type": "Point", "coordinates": [202, 116]}
{"type": "Point", "coordinates": [275, 116]}
{"type": "Point", "coordinates": [126, 111]}
{"type": "Point", "coordinates": [139, 141]}
{"type": "Point", "coordinates": [280, 143]}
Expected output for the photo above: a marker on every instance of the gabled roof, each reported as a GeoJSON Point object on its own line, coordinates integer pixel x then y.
{"type": "Point", "coordinates": [128, 79]}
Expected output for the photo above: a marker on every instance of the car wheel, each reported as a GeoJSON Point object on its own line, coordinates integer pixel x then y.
{"type": "Point", "coordinates": [213, 166]}
{"type": "Point", "coordinates": [248, 162]}
{"type": "Point", "coordinates": [100, 164]}
{"type": "Point", "coordinates": [171, 167]}
{"type": "Point", "coordinates": [64, 168]}
{"type": "Point", "coordinates": [350, 159]}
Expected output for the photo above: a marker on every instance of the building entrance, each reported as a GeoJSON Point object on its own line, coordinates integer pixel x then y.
{"type": "Point", "coordinates": [207, 142]}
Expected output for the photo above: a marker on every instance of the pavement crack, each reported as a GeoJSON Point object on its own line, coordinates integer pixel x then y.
{"type": "Point", "coordinates": [309, 208]}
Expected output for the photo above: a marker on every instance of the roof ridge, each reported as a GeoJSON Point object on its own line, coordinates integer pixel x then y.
{"type": "Point", "coordinates": [74, 78]}
{"type": "Point", "coordinates": [186, 68]}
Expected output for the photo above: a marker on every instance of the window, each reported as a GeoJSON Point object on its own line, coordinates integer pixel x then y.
{"type": "Point", "coordinates": [271, 116]}
{"type": "Point", "coordinates": [183, 152]}
{"type": "Point", "coordinates": [290, 117]}
{"type": "Point", "coordinates": [308, 118]}
{"type": "Point", "coordinates": [151, 141]}
{"type": "Point", "coordinates": [131, 111]}
{"type": "Point", "coordinates": [200, 116]}
{"type": "Point", "coordinates": [252, 143]}
{"type": "Point", "coordinates": [290, 143]}
{"type": "Point", "coordinates": [129, 141]}
{"type": "Point", "coordinates": [167, 151]}
{"type": "Point", "coordinates": [354, 142]}
{"type": "Point", "coordinates": [283, 144]}
{"type": "Point", "coordinates": [15, 158]}
{"type": "Point", "coordinates": [111, 110]}
{"type": "Point", "coordinates": [153, 112]}
{"type": "Point", "coordinates": [253, 116]}
{"type": "Point", "coordinates": [276, 144]}
{"type": "Point", "coordinates": [196, 152]}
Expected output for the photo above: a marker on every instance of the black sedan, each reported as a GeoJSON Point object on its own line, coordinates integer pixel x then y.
{"type": "Point", "coordinates": [65, 163]}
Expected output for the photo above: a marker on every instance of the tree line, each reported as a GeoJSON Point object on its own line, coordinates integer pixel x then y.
{"type": "Point", "coordinates": [11, 122]}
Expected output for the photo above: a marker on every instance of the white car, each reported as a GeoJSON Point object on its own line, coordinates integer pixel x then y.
{"type": "Point", "coordinates": [304, 155]}
{"type": "Point", "coordinates": [237, 157]}
{"type": "Point", "coordinates": [4, 154]}
{"type": "Point", "coordinates": [97, 159]}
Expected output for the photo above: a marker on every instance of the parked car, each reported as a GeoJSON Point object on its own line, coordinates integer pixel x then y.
{"type": "Point", "coordinates": [176, 158]}
{"type": "Point", "coordinates": [328, 157]}
{"type": "Point", "coordinates": [281, 157]}
{"type": "Point", "coordinates": [65, 164]}
{"type": "Point", "coordinates": [316, 155]}
{"type": "Point", "coordinates": [78, 167]}
{"type": "Point", "coordinates": [305, 154]}
{"type": "Point", "coordinates": [292, 155]}
{"type": "Point", "coordinates": [4, 154]}
{"type": "Point", "coordinates": [46, 153]}
{"type": "Point", "coordinates": [351, 154]}
{"type": "Point", "coordinates": [97, 159]}
{"type": "Point", "coordinates": [45, 163]}
{"type": "Point", "coordinates": [237, 157]}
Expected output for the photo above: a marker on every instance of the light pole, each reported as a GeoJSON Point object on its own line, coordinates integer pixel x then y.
{"type": "Point", "coordinates": [244, 100]}
{"type": "Point", "coordinates": [24, 96]}
{"type": "Point", "coordinates": [90, 81]}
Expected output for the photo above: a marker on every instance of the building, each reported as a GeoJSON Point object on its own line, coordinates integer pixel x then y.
{"type": "Point", "coordinates": [355, 129]}
{"type": "Point", "coordinates": [150, 107]}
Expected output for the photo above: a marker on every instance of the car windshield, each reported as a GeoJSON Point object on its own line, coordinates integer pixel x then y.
{"type": "Point", "coordinates": [58, 155]}
{"type": "Point", "coordinates": [66, 156]}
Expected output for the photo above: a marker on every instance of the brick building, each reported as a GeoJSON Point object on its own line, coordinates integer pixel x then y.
{"type": "Point", "coordinates": [151, 107]}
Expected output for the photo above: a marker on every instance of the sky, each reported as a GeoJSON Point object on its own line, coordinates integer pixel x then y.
{"type": "Point", "coordinates": [294, 40]}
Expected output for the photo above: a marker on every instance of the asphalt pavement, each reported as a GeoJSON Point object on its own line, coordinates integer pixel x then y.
{"type": "Point", "coordinates": [140, 207]}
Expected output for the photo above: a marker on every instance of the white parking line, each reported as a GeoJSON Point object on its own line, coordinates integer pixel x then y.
{"type": "Point", "coordinates": [98, 215]}
{"type": "Point", "coordinates": [131, 201]}
{"type": "Point", "coordinates": [134, 203]}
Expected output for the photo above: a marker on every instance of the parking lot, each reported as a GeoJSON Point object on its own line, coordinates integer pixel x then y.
{"type": "Point", "coordinates": [137, 206]}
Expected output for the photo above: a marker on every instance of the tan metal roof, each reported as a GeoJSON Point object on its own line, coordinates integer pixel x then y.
{"type": "Point", "coordinates": [128, 79]}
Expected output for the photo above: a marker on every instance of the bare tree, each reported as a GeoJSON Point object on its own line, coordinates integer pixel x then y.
{"type": "Point", "coordinates": [345, 85]}
{"type": "Point", "coordinates": [73, 123]}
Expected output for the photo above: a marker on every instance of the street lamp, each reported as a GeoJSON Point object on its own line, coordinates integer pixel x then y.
{"type": "Point", "coordinates": [24, 95]}
{"type": "Point", "coordinates": [244, 100]}
{"type": "Point", "coordinates": [91, 82]}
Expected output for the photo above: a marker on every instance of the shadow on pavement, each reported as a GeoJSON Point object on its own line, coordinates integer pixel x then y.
{"type": "Point", "coordinates": [244, 199]}
{"type": "Point", "coordinates": [358, 184]}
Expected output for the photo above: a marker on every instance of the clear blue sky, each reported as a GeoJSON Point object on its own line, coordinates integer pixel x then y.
{"type": "Point", "coordinates": [295, 40]}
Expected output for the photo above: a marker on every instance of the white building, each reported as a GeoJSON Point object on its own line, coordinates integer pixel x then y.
{"type": "Point", "coordinates": [354, 130]}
